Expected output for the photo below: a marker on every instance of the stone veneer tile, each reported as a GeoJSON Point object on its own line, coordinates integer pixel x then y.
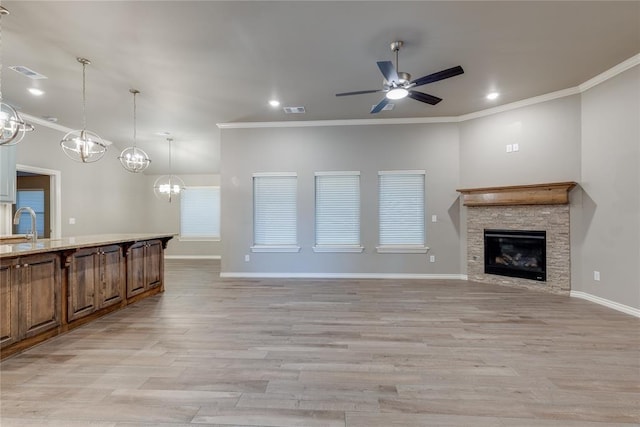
{"type": "Point", "coordinates": [554, 219]}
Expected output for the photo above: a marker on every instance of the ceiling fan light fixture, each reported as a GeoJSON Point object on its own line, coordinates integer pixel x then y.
{"type": "Point", "coordinates": [397, 93]}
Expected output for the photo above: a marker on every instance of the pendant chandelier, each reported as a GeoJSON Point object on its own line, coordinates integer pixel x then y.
{"type": "Point", "coordinates": [83, 145]}
{"type": "Point", "coordinates": [132, 158]}
{"type": "Point", "coordinates": [12, 125]}
{"type": "Point", "coordinates": [168, 187]}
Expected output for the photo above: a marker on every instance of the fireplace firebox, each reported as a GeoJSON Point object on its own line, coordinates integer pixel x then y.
{"type": "Point", "coordinates": [516, 253]}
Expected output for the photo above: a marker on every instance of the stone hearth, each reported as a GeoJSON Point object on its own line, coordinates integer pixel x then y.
{"type": "Point", "coordinates": [540, 207]}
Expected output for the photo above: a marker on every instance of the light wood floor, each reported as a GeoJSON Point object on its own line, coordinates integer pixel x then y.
{"type": "Point", "coordinates": [333, 353]}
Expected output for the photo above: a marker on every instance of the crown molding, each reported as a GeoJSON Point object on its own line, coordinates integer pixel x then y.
{"type": "Point", "coordinates": [611, 72]}
{"type": "Point", "coordinates": [55, 126]}
{"type": "Point", "coordinates": [346, 122]}
{"type": "Point", "coordinates": [600, 78]}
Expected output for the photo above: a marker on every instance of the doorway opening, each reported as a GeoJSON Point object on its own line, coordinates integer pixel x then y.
{"type": "Point", "coordinates": [40, 189]}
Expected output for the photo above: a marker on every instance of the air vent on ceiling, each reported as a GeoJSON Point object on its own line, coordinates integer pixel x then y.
{"type": "Point", "coordinates": [27, 72]}
{"type": "Point", "coordinates": [387, 107]}
{"type": "Point", "coordinates": [294, 110]}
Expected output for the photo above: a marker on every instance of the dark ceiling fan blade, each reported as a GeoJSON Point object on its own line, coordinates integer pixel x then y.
{"type": "Point", "coordinates": [360, 92]}
{"type": "Point", "coordinates": [440, 75]}
{"type": "Point", "coordinates": [380, 105]}
{"type": "Point", "coordinates": [424, 97]}
{"type": "Point", "coordinates": [388, 71]}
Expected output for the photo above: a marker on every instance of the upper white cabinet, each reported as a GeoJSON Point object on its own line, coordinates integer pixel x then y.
{"type": "Point", "coordinates": [8, 174]}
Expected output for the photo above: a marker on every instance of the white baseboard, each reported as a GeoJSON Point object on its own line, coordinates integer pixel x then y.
{"type": "Point", "coordinates": [192, 257]}
{"type": "Point", "coordinates": [607, 303]}
{"type": "Point", "coordinates": [342, 276]}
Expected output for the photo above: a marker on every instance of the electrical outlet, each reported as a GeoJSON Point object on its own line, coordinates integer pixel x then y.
{"type": "Point", "coordinates": [596, 276]}
{"type": "Point", "coordinates": [432, 258]}
{"type": "Point", "coordinates": [434, 218]}
{"type": "Point", "coordinates": [72, 221]}
{"type": "Point", "coordinates": [247, 258]}
{"type": "Point", "coordinates": [509, 148]}
{"type": "Point", "coordinates": [516, 147]}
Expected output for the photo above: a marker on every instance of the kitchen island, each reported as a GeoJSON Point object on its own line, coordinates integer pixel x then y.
{"type": "Point", "coordinates": [54, 285]}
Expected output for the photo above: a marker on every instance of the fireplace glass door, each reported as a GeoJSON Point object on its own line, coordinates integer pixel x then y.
{"type": "Point", "coordinates": [516, 253]}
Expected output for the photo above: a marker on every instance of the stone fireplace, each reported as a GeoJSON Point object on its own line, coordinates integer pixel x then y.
{"type": "Point", "coordinates": [534, 209]}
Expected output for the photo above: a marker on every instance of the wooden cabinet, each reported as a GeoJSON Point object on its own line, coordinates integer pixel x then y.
{"type": "Point", "coordinates": [8, 174]}
{"type": "Point", "coordinates": [145, 266]}
{"type": "Point", "coordinates": [44, 294]}
{"type": "Point", "coordinates": [30, 302]}
{"type": "Point", "coordinates": [8, 304]}
{"type": "Point", "coordinates": [95, 280]}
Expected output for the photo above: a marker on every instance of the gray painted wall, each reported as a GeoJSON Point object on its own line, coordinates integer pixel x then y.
{"type": "Point", "coordinates": [368, 149]}
{"type": "Point", "coordinates": [165, 217]}
{"type": "Point", "coordinates": [548, 135]}
{"type": "Point", "coordinates": [101, 196]}
{"type": "Point", "coordinates": [609, 226]}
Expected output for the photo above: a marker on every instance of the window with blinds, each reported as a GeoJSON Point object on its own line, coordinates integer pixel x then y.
{"type": "Point", "coordinates": [337, 212]}
{"type": "Point", "coordinates": [402, 211]}
{"type": "Point", "coordinates": [200, 213]}
{"type": "Point", "coordinates": [275, 212]}
{"type": "Point", "coordinates": [35, 200]}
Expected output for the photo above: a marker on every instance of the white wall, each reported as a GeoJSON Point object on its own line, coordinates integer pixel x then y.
{"type": "Point", "coordinates": [364, 148]}
{"type": "Point", "coordinates": [609, 226]}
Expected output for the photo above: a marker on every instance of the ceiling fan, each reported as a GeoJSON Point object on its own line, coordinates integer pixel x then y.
{"type": "Point", "coordinates": [398, 85]}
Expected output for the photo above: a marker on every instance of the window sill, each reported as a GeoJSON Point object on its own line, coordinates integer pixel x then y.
{"type": "Point", "coordinates": [199, 239]}
{"type": "Point", "coordinates": [275, 248]}
{"type": "Point", "coordinates": [402, 249]}
{"type": "Point", "coordinates": [339, 248]}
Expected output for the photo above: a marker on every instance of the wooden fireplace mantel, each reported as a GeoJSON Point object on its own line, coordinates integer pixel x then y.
{"type": "Point", "coordinates": [555, 193]}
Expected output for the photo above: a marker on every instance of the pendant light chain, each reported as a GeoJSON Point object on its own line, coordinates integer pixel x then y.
{"type": "Point", "coordinates": [3, 12]}
{"type": "Point", "coordinates": [84, 95]}
{"type": "Point", "coordinates": [135, 92]}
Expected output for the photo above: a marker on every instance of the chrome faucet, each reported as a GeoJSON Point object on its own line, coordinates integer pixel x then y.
{"type": "Point", "coordinates": [16, 220]}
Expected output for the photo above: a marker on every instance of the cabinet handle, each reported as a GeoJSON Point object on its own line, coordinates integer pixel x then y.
{"type": "Point", "coordinates": [26, 265]}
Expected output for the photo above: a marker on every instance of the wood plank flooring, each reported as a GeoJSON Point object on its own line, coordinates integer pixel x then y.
{"type": "Point", "coordinates": [355, 353]}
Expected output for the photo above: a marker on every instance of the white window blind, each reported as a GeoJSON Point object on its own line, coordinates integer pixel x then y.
{"type": "Point", "coordinates": [401, 204]}
{"type": "Point", "coordinates": [35, 200]}
{"type": "Point", "coordinates": [200, 213]}
{"type": "Point", "coordinates": [274, 210]}
{"type": "Point", "coordinates": [338, 209]}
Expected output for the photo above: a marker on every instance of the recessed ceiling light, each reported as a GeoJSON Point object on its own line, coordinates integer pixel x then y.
{"type": "Point", "coordinates": [274, 103]}
{"type": "Point", "coordinates": [492, 95]}
{"type": "Point", "coordinates": [35, 91]}
{"type": "Point", "coordinates": [163, 133]}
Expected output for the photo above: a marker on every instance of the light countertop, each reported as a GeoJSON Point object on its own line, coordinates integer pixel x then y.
{"type": "Point", "coordinates": [53, 245]}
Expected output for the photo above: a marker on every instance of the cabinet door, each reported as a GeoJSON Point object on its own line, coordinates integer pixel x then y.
{"type": "Point", "coordinates": [39, 292]}
{"type": "Point", "coordinates": [8, 306]}
{"type": "Point", "coordinates": [82, 283]}
{"type": "Point", "coordinates": [153, 263]}
{"type": "Point", "coordinates": [135, 270]}
{"type": "Point", "coordinates": [8, 173]}
{"type": "Point", "coordinates": [111, 276]}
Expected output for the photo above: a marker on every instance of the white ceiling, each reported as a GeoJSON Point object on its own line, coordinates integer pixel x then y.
{"type": "Point", "coordinates": [200, 63]}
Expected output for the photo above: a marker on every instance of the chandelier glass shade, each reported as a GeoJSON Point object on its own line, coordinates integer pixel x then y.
{"type": "Point", "coordinates": [83, 145]}
{"type": "Point", "coordinates": [132, 158]}
{"type": "Point", "coordinates": [12, 126]}
{"type": "Point", "coordinates": [168, 187]}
